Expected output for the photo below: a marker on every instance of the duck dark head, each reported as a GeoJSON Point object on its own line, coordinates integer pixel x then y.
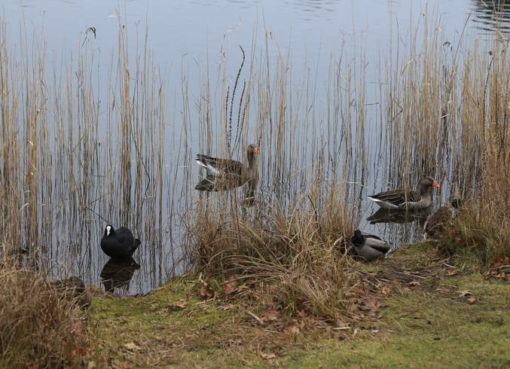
{"type": "Point", "coordinates": [108, 231]}
{"type": "Point", "coordinates": [358, 238]}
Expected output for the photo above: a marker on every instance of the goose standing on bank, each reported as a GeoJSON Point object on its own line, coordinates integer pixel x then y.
{"type": "Point", "coordinates": [368, 246]}
{"type": "Point", "coordinates": [407, 199]}
{"type": "Point", "coordinates": [226, 174]}
{"type": "Point", "coordinates": [119, 243]}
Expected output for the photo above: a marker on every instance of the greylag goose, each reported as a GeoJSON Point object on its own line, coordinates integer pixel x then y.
{"type": "Point", "coordinates": [119, 243]}
{"type": "Point", "coordinates": [226, 174]}
{"type": "Point", "coordinates": [368, 246]}
{"type": "Point", "coordinates": [437, 223]}
{"type": "Point", "coordinates": [407, 199]}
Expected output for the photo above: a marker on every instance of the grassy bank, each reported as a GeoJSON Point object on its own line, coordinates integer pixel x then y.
{"type": "Point", "coordinates": [424, 313]}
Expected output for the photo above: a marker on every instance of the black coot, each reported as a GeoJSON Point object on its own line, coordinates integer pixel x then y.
{"type": "Point", "coordinates": [119, 243]}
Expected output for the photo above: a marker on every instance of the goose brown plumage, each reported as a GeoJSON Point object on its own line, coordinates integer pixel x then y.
{"type": "Point", "coordinates": [226, 174]}
{"type": "Point", "coordinates": [407, 199]}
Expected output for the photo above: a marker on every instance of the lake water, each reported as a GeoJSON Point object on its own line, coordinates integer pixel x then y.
{"type": "Point", "coordinates": [188, 38]}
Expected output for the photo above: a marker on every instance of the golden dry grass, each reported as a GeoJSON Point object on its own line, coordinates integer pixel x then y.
{"type": "Point", "coordinates": [41, 326]}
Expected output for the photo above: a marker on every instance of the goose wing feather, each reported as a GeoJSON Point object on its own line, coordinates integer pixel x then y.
{"type": "Point", "coordinates": [397, 197]}
{"type": "Point", "coordinates": [218, 167]}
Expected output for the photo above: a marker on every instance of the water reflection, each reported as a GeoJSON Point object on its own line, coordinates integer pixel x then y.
{"type": "Point", "coordinates": [118, 273]}
{"type": "Point", "coordinates": [159, 196]}
{"type": "Point", "coordinates": [393, 216]}
{"type": "Point", "coordinates": [312, 9]}
{"type": "Point", "coordinates": [492, 15]}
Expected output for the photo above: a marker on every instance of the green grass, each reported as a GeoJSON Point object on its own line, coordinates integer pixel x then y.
{"type": "Point", "coordinates": [432, 324]}
{"type": "Point", "coordinates": [429, 330]}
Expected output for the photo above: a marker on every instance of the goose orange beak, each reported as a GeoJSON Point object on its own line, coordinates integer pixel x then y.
{"type": "Point", "coordinates": [435, 184]}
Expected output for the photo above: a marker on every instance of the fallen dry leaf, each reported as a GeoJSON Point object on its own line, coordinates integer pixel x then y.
{"type": "Point", "coordinates": [117, 364]}
{"type": "Point", "coordinates": [175, 306]}
{"type": "Point", "coordinates": [230, 285]}
{"type": "Point", "coordinates": [444, 289]}
{"type": "Point", "coordinates": [267, 356]}
{"type": "Point", "coordinates": [414, 283]}
{"type": "Point", "coordinates": [77, 327]}
{"type": "Point", "coordinates": [132, 346]}
{"type": "Point", "coordinates": [498, 273]}
{"type": "Point", "coordinates": [205, 292]}
{"type": "Point", "coordinates": [370, 304]}
{"type": "Point", "coordinates": [385, 291]}
{"type": "Point", "coordinates": [227, 307]}
{"type": "Point", "coordinates": [465, 293]}
{"type": "Point", "coordinates": [271, 316]}
{"type": "Point", "coordinates": [294, 330]}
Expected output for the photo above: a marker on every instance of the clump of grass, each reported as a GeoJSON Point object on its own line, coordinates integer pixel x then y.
{"type": "Point", "coordinates": [481, 230]}
{"type": "Point", "coordinates": [39, 326]}
{"type": "Point", "coordinates": [296, 258]}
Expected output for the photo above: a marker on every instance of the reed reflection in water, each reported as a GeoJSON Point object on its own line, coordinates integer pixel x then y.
{"type": "Point", "coordinates": [84, 156]}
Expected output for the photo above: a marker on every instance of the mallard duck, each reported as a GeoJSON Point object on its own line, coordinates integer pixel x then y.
{"type": "Point", "coordinates": [368, 246]}
{"type": "Point", "coordinates": [407, 199]}
{"type": "Point", "coordinates": [119, 243]}
{"type": "Point", "coordinates": [436, 224]}
{"type": "Point", "coordinates": [226, 174]}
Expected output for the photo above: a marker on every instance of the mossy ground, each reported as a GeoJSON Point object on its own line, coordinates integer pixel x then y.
{"type": "Point", "coordinates": [431, 316]}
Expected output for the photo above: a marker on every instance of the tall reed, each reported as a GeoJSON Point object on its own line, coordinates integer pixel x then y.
{"type": "Point", "coordinates": [86, 142]}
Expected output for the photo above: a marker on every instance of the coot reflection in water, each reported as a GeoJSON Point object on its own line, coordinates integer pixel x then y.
{"type": "Point", "coordinates": [395, 216]}
{"type": "Point", "coordinates": [118, 273]}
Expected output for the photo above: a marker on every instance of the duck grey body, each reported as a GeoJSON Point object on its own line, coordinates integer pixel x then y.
{"type": "Point", "coordinates": [119, 243]}
{"type": "Point", "coordinates": [368, 246]}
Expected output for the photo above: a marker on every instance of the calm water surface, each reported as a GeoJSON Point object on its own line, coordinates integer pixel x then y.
{"type": "Point", "coordinates": [190, 36]}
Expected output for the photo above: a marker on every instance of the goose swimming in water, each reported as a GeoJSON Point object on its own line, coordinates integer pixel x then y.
{"type": "Point", "coordinates": [407, 199]}
{"type": "Point", "coordinates": [227, 174]}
